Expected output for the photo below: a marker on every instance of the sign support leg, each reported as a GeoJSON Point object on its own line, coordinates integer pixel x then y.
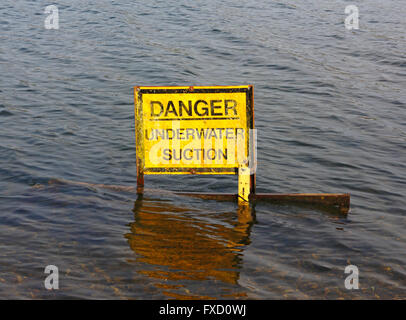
{"type": "Point", "coordinates": [253, 181]}
{"type": "Point", "coordinates": [140, 178]}
{"type": "Point", "coordinates": [244, 185]}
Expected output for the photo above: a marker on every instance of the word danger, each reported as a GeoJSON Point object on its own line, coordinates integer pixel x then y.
{"type": "Point", "coordinates": [199, 108]}
{"type": "Point", "coordinates": [194, 133]}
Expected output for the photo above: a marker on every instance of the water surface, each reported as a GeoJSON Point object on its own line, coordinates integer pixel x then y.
{"type": "Point", "coordinates": [330, 114]}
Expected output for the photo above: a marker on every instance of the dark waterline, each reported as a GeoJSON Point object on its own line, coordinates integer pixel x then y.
{"type": "Point", "coordinates": [330, 114]}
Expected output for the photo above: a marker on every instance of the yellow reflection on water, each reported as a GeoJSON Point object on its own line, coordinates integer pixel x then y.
{"type": "Point", "coordinates": [180, 244]}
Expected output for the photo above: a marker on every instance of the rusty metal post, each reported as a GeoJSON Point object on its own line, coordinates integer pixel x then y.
{"type": "Point", "coordinates": [139, 138]}
{"type": "Point", "coordinates": [244, 184]}
{"type": "Point", "coordinates": [140, 178]}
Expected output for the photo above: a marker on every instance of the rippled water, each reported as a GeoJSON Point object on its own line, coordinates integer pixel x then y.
{"type": "Point", "coordinates": [330, 114]}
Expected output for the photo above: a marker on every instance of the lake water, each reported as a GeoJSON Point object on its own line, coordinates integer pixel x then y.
{"type": "Point", "coordinates": [330, 114]}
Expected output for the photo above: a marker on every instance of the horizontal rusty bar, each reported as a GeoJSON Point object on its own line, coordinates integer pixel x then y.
{"type": "Point", "coordinates": [208, 196]}
{"type": "Point", "coordinates": [338, 200]}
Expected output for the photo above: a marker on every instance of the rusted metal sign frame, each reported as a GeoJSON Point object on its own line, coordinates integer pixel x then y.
{"type": "Point", "coordinates": [139, 130]}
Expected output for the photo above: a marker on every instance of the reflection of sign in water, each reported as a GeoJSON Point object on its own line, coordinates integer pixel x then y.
{"type": "Point", "coordinates": [178, 246]}
{"type": "Point", "coordinates": [202, 130]}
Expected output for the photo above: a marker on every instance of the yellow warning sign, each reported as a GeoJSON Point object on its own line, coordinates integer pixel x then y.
{"type": "Point", "coordinates": [193, 130]}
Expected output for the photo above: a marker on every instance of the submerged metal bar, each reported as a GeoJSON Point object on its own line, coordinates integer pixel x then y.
{"type": "Point", "coordinates": [338, 200]}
